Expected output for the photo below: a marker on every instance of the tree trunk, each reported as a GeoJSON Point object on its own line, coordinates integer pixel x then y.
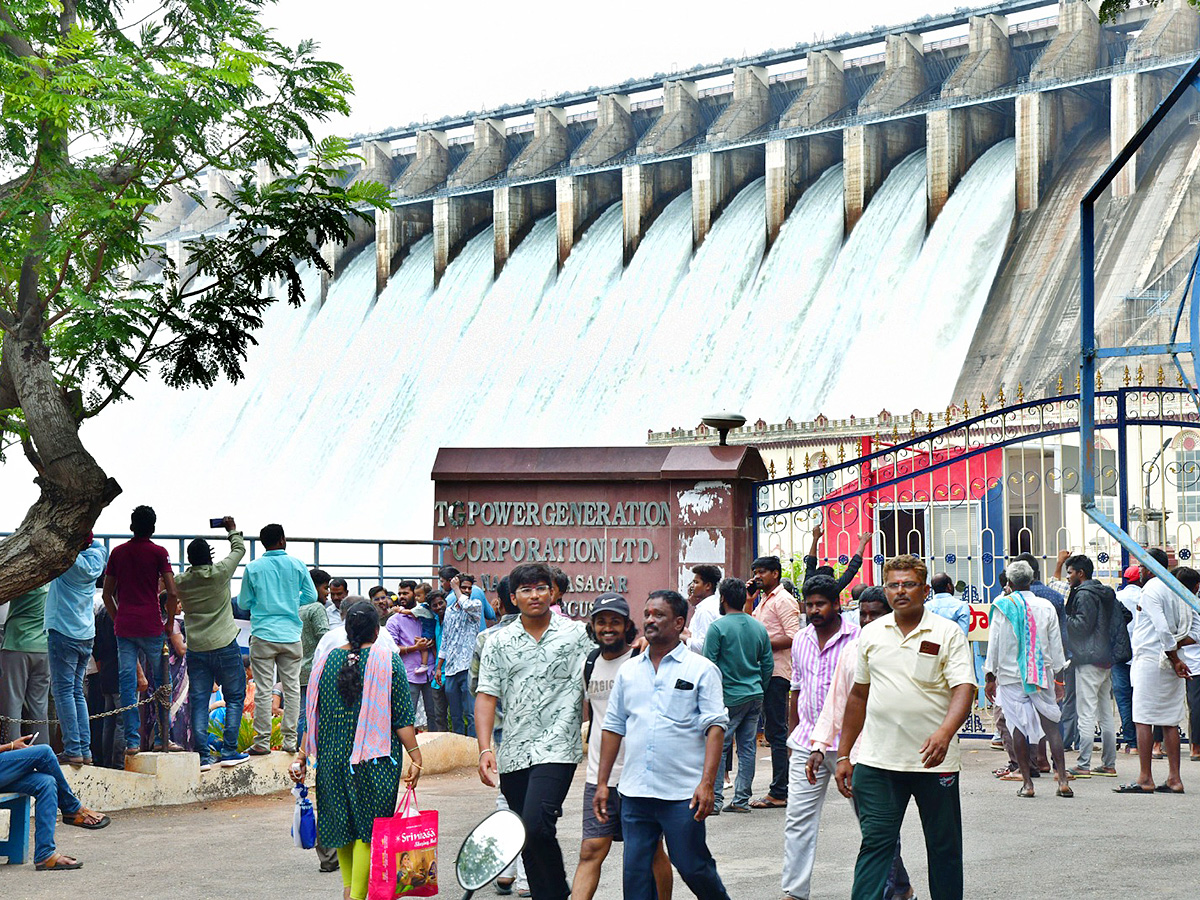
{"type": "Point", "coordinates": [74, 489]}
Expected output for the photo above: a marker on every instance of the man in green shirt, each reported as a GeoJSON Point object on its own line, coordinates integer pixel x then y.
{"type": "Point", "coordinates": [213, 654]}
{"type": "Point", "coordinates": [741, 648]}
{"type": "Point", "coordinates": [25, 684]}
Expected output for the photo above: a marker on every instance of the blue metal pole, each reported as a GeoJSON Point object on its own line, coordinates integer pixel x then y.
{"type": "Point", "coordinates": [1087, 353]}
{"type": "Point", "coordinates": [1123, 469]}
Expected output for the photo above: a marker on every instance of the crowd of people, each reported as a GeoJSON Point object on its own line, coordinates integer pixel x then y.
{"type": "Point", "coordinates": [870, 699]}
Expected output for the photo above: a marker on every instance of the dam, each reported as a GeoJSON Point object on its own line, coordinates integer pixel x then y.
{"type": "Point", "coordinates": [883, 220]}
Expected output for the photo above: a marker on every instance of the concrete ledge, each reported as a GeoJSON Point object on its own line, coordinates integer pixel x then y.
{"type": "Point", "coordinates": [169, 779]}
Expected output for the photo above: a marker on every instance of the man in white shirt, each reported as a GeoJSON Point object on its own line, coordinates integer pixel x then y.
{"type": "Point", "coordinates": [1028, 697]}
{"type": "Point", "coordinates": [913, 688]}
{"type": "Point", "coordinates": [1162, 620]}
{"type": "Point", "coordinates": [702, 594]}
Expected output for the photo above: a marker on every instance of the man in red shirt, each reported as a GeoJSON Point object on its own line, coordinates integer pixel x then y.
{"type": "Point", "coordinates": [131, 598]}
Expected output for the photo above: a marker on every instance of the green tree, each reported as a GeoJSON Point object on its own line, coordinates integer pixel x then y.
{"type": "Point", "coordinates": [103, 120]}
{"type": "Point", "coordinates": [1110, 9]}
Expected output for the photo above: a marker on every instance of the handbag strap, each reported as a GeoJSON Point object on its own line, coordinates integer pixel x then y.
{"type": "Point", "coordinates": [406, 804]}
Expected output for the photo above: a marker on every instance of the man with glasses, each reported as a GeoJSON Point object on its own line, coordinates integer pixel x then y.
{"type": "Point", "coordinates": [535, 667]}
{"type": "Point", "coordinates": [913, 688]}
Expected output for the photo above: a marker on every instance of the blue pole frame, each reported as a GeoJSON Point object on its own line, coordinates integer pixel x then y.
{"type": "Point", "coordinates": [1089, 352]}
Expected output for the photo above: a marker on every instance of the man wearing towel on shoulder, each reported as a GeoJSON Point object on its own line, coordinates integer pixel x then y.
{"type": "Point", "coordinates": [1024, 651]}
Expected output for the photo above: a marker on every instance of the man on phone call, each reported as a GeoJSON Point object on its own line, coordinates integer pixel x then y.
{"type": "Point", "coordinates": [913, 687]}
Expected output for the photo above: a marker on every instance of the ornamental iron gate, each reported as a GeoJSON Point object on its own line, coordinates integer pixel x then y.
{"type": "Point", "coordinates": [972, 494]}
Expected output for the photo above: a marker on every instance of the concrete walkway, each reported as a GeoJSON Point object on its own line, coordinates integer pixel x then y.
{"type": "Point", "coordinates": [1099, 844]}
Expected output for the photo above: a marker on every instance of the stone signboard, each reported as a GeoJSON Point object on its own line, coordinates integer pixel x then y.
{"type": "Point", "coordinates": [626, 519]}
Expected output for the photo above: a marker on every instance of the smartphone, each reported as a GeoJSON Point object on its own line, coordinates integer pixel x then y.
{"type": "Point", "coordinates": [216, 523]}
{"type": "Point", "coordinates": [36, 735]}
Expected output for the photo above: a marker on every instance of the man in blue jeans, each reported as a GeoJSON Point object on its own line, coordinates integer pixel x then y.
{"type": "Point", "coordinates": [70, 630]}
{"type": "Point", "coordinates": [213, 653]}
{"type": "Point", "coordinates": [131, 598]}
{"type": "Point", "coordinates": [460, 627]}
{"type": "Point", "coordinates": [668, 707]}
{"type": "Point", "coordinates": [741, 648]}
{"type": "Point", "coordinates": [35, 771]}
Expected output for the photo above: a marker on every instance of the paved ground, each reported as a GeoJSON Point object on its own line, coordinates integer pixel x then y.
{"type": "Point", "coordinates": [1097, 845]}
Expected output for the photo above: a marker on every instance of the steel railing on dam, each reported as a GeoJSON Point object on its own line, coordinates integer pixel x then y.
{"type": "Point", "coordinates": [840, 43]}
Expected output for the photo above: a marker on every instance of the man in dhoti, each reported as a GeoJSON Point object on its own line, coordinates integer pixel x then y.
{"type": "Point", "coordinates": [1160, 622]}
{"type": "Point", "coordinates": [1024, 651]}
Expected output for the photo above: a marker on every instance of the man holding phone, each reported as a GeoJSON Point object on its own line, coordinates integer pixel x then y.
{"type": "Point", "coordinates": [213, 653]}
{"type": "Point", "coordinates": [913, 687]}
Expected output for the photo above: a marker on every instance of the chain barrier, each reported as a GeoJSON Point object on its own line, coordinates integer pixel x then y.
{"type": "Point", "coordinates": [158, 695]}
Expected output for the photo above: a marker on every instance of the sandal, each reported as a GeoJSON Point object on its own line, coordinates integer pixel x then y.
{"type": "Point", "coordinates": [56, 862]}
{"type": "Point", "coordinates": [1131, 788]}
{"type": "Point", "coordinates": [768, 802]}
{"type": "Point", "coordinates": [1167, 789]}
{"type": "Point", "coordinates": [80, 819]}
{"type": "Point", "coordinates": [1025, 792]}
{"type": "Point", "coordinates": [1014, 775]}
{"type": "Point", "coordinates": [1064, 791]}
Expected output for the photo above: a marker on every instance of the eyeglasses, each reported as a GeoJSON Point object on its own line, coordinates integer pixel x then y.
{"type": "Point", "coordinates": [527, 591]}
{"type": "Point", "coordinates": [902, 585]}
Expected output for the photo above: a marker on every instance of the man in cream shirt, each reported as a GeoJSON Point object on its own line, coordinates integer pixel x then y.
{"type": "Point", "coordinates": [913, 688]}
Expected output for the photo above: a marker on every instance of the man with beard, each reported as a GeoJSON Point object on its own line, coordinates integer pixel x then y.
{"type": "Point", "coordinates": [405, 629]}
{"type": "Point", "coordinates": [778, 611]}
{"type": "Point", "coordinates": [667, 707]}
{"type": "Point", "coordinates": [815, 654]}
{"type": "Point", "coordinates": [614, 631]}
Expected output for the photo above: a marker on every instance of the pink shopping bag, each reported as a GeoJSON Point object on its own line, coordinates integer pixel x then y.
{"type": "Point", "coordinates": [404, 853]}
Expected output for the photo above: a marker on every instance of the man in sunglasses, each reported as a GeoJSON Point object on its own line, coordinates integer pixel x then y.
{"type": "Point", "coordinates": [535, 667]}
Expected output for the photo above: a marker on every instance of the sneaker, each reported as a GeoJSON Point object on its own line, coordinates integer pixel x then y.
{"type": "Point", "coordinates": [205, 766]}
{"type": "Point", "coordinates": [235, 759]}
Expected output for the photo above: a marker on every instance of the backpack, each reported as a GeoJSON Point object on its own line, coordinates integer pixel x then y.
{"type": "Point", "coordinates": [589, 666]}
{"type": "Point", "coordinates": [1118, 634]}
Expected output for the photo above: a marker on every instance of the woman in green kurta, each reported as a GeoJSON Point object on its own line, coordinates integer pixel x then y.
{"type": "Point", "coordinates": [350, 796]}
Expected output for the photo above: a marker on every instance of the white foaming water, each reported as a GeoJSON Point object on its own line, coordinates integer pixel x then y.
{"type": "Point", "coordinates": [336, 426]}
{"type": "Point", "coordinates": [861, 285]}
{"type": "Point", "coordinates": [939, 300]}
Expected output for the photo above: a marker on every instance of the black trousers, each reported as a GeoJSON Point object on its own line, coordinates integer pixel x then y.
{"type": "Point", "coordinates": [775, 718]}
{"type": "Point", "coordinates": [537, 794]}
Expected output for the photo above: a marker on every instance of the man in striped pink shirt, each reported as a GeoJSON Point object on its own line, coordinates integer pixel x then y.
{"type": "Point", "coordinates": [815, 653]}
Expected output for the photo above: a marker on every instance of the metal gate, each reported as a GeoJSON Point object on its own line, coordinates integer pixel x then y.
{"type": "Point", "coordinates": [978, 490]}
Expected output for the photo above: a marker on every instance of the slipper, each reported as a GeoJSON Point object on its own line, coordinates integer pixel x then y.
{"type": "Point", "coordinates": [1000, 773]}
{"type": "Point", "coordinates": [1079, 772]}
{"type": "Point", "coordinates": [1131, 788]}
{"type": "Point", "coordinates": [768, 802]}
{"type": "Point", "coordinates": [738, 808]}
{"type": "Point", "coordinates": [1157, 756]}
{"type": "Point", "coordinates": [57, 863]}
{"type": "Point", "coordinates": [1195, 757]}
{"type": "Point", "coordinates": [1014, 775]}
{"type": "Point", "coordinates": [1025, 792]}
{"type": "Point", "coordinates": [1167, 789]}
{"type": "Point", "coordinates": [1105, 772]}
{"type": "Point", "coordinates": [77, 819]}
{"type": "Point", "coordinates": [1064, 792]}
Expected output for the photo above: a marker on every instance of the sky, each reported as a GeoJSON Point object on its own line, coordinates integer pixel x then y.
{"type": "Point", "coordinates": [432, 60]}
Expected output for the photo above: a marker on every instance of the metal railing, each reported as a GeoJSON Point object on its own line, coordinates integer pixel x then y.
{"type": "Point", "coordinates": [361, 561]}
